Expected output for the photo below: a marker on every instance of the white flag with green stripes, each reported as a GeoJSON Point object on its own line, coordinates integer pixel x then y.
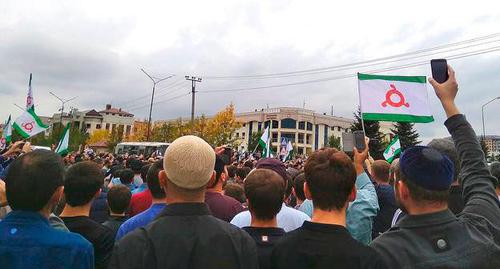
{"type": "Point", "coordinates": [265, 143]}
{"type": "Point", "coordinates": [393, 149]}
{"type": "Point", "coordinates": [394, 98]}
{"type": "Point", "coordinates": [63, 146]}
{"type": "Point", "coordinates": [29, 124]}
{"type": "Point", "coordinates": [6, 134]}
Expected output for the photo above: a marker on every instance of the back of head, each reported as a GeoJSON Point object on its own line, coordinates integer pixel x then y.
{"type": "Point", "coordinates": [83, 181]}
{"type": "Point", "coordinates": [298, 185]}
{"type": "Point", "coordinates": [126, 176]}
{"type": "Point", "coordinates": [219, 170]}
{"type": "Point", "coordinates": [330, 177]}
{"type": "Point", "coordinates": [153, 181]}
{"type": "Point", "coordinates": [248, 164]}
{"type": "Point", "coordinates": [447, 148]}
{"type": "Point", "coordinates": [242, 172]}
{"type": "Point", "coordinates": [426, 172]}
{"type": "Point", "coordinates": [231, 171]}
{"type": "Point", "coordinates": [264, 190]}
{"type": "Point", "coordinates": [135, 165]}
{"type": "Point", "coordinates": [144, 171]}
{"type": "Point", "coordinates": [32, 179]}
{"type": "Point", "coordinates": [235, 191]}
{"type": "Point", "coordinates": [380, 171]}
{"type": "Point", "coordinates": [119, 199]}
{"type": "Point", "coordinates": [189, 163]}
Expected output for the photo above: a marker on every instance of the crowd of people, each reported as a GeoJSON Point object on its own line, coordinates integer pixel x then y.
{"type": "Point", "coordinates": [437, 206]}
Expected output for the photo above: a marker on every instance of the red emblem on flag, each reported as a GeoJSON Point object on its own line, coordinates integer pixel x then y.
{"type": "Point", "coordinates": [388, 98]}
{"type": "Point", "coordinates": [28, 126]}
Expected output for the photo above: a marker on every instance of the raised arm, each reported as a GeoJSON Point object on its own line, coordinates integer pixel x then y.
{"type": "Point", "coordinates": [477, 183]}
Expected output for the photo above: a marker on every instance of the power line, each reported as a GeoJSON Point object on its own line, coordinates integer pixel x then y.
{"type": "Point", "coordinates": [356, 63]}
{"type": "Point", "coordinates": [193, 80]}
{"type": "Point", "coordinates": [147, 95]}
{"type": "Point", "coordinates": [163, 101]}
{"type": "Point", "coordinates": [452, 57]}
{"type": "Point", "coordinates": [132, 107]}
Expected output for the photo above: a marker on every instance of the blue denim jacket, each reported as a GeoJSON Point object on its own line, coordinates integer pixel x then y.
{"type": "Point", "coordinates": [28, 241]}
{"type": "Point", "coordinates": [360, 213]}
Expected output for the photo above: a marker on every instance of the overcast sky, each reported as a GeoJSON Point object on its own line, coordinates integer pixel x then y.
{"type": "Point", "coordinates": [94, 50]}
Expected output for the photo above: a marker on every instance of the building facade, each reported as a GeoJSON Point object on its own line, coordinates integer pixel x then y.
{"type": "Point", "coordinates": [493, 144]}
{"type": "Point", "coordinates": [307, 130]}
{"type": "Point", "coordinates": [91, 120]}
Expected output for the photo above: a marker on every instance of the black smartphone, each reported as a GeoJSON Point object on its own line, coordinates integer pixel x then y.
{"type": "Point", "coordinates": [359, 140]}
{"type": "Point", "coordinates": [227, 155]}
{"type": "Point", "coordinates": [439, 70]}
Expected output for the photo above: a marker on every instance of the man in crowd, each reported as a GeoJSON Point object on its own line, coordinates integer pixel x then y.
{"type": "Point", "coordinates": [235, 191]}
{"type": "Point", "coordinates": [221, 206]}
{"type": "Point", "coordinates": [298, 189]}
{"type": "Point", "coordinates": [34, 185]}
{"type": "Point", "coordinates": [158, 203]}
{"type": "Point", "coordinates": [141, 199]}
{"type": "Point", "coordinates": [288, 218]}
{"type": "Point", "coordinates": [127, 178]}
{"type": "Point", "coordinates": [324, 242]}
{"type": "Point", "coordinates": [430, 235]}
{"type": "Point", "coordinates": [495, 171]}
{"type": "Point", "coordinates": [264, 189]}
{"type": "Point", "coordinates": [118, 201]}
{"type": "Point", "coordinates": [386, 200]}
{"type": "Point", "coordinates": [81, 186]}
{"type": "Point", "coordinates": [185, 234]}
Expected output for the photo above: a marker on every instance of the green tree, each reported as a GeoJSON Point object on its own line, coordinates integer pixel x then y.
{"type": "Point", "coordinates": [408, 136]}
{"type": "Point", "coordinates": [372, 130]}
{"type": "Point", "coordinates": [334, 142]}
{"type": "Point", "coordinates": [115, 137]}
{"type": "Point", "coordinates": [254, 140]}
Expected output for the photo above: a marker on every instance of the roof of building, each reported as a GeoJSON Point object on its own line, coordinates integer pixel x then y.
{"type": "Point", "coordinates": [118, 111]}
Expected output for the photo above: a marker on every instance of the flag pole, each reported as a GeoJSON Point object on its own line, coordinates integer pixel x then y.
{"type": "Point", "coordinates": [361, 107]}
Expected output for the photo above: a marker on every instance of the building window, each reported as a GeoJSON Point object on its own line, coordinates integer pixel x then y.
{"type": "Point", "coordinates": [266, 124]}
{"type": "Point", "coordinates": [288, 123]}
{"type": "Point", "coordinates": [242, 135]}
{"type": "Point", "coordinates": [113, 126]}
{"type": "Point", "coordinates": [107, 126]}
{"type": "Point", "coordinates": [302, 125]}
{"type": "Point", "coordinates": [244, 124]}
{"type": "Point", "coordinates": [301, 138]}
{"type": "Point", "coordinates": [339, 129]}
{"type": "Point", "coordinates": [274, 137]}
{"type": "Point", "coordinates": [289, 136]}
{"type": "Point", "coordinates": [308, 139]}
{"type": "Point", "coordinates": [259, 126]}
{"type": "Point", "coordinates": [88, 126]}
{"type": "Point", "coordinates": [237, 134]}
{"type": "Point", "coordinates": [309, 126]}
{"type": "Point", "coordinates": [300, 151]}
{"type": "Point", "coordinates": [275, 124]}
{"type": "Point", "coordinates": [98, 126]}
{"type": "Point", "coordinates": [127, 130]}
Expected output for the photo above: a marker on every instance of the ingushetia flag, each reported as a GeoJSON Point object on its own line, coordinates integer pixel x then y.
{"type": "Point", "coordinates": [394, 98]}
{"type": "Point", "coordinates": [289, 149]}
{"type": "Point", "coordinates": [392, 150]}
{"type": "Point", "coordinates": [63, 146]}
{"type": "Point", "coordinates": [265, 143]}
{"type": "Point", "coordinates": [6, 134]}
{"type": "Point", "coordinates": [29, 124]}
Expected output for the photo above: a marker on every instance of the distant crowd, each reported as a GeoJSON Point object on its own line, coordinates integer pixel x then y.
{"type": "Point", "coordinates": [437, 206]}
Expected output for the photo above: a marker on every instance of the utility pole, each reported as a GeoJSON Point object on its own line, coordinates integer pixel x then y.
{"type": "Point", "coordinates": [63, 102]}
{"type": "Point", "coordinates": [155, 81]}
{"type": "Point", "coordinates": [193, 91]}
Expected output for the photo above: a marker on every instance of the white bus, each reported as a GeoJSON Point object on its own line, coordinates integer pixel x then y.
{"type": "Point", "coordinates": [145, 148]}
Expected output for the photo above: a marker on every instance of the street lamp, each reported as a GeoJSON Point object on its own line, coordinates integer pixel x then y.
{"type": "Point", "coordinates": [155, 81]}
{"type": "Point", "coordinates": [482, 113]}
{"type": "Point", "coordinates": [63, 102]}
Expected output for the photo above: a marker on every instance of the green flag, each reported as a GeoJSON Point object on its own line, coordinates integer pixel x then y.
{"type": "Point", "coordinates": [6, 134]}
{"type": "Point", "coordinates": [393, 149]}
{"type": "Point", "coordinates": [265, 143]}
{"type": "Point", "coordinates": [62, 147]}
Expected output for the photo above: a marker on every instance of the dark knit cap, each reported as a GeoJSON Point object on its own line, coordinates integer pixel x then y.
{"type": "Point", "coordinates": [275, 165]}
{"type": "Point", "coordinates": [427, 168]}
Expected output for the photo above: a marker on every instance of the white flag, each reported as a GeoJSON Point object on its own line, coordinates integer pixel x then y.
{"type": "Point", "coordinates": [289, 149]}
{"type": "Point", "coordinates": [30, 102]}
{"type": "Point", "coordinates": [393, 149]}
{"type": "Point", "coordinates": [265, 143]}
{"type": "Point", "coordinates": [63, 146]}
{"type": "Point", "coordinates": [29, 124]}
{"type": "Point", "coordinates": [394, 98]}
{"type": "Point", "coordinates": [6, 134]}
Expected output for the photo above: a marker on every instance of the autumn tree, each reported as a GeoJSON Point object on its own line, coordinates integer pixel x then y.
{"type": "Point", "coordinates": [115, 137]}
{"type": "Point", "coordinates": [140, 133]}
{"type": "Point", "coordinates": [220, 129]}
{"type": "Point", "coordinates": [98, 136]}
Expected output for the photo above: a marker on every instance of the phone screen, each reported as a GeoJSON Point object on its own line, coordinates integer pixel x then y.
{"type": "Point", "coordinates": [359, 140]}
{"type": "Point", "coordinates": [439, 70]}
{"type": "Point", "coordinates": [347, 142]}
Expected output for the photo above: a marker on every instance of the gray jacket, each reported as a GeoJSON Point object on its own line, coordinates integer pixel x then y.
{"type": "Point", "coordinates": [442, 240]}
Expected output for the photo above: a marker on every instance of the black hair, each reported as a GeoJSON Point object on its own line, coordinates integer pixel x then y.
{"type": "Point", "coordinates": [231, 171]}
{"type": "Point", "coordinates": [264, 190]}
{"type": "Point", "coordinates": [144, 172]}
{"type": "Point", "coordinates": [127, 176]}
{"type": "Point", "coordinates": [119, 199]}
{"type": "Point", "coordinates": [83, 181]}
{"type": "Point", "coordinates": [154, 182]}
{"type": "Point", "coordinates": [298, 185]}
{"type": "Point", "coordinates": [32, 179]}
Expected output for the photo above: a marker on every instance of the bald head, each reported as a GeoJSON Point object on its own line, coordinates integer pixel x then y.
{"type": "Point", "coordinates": [380, 171]}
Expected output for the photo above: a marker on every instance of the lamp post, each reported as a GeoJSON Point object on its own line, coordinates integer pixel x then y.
{"type": "Point", "coordinates": [482, 113]}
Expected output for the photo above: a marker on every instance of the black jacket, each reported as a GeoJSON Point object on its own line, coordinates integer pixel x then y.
{"type": "Point", "coordinates": [442, 240]}
{"type": "Point", "coordinates": [186, 236]}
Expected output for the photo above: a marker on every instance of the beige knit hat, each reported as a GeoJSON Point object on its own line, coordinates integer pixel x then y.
{"type": "Point", "coordinates": [189, 162]}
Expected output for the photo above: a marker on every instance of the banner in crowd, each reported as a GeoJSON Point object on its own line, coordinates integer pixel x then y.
{"type": "Point", "coordinates": [393, 150]}
{"type": "Point", "coordinates": [29, 124]}
{"type": "Point", "coordinates": [62, 147]}
{"type": "Point", "coordinates": [288, 151]}
{"type": "Point", "coordinates": [394, 98]}
{"type": "Point", "coordinates": [30, 102]}
{"type": "Point", "coordinates": [6, 134]}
